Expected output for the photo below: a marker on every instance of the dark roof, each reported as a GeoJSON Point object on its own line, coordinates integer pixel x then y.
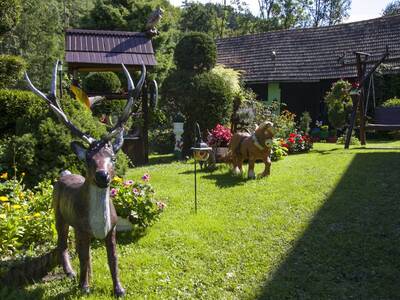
{"type": "Point", "coordinates": [310, 54]}
{"type": "Point", "coordinates": [97, 48]}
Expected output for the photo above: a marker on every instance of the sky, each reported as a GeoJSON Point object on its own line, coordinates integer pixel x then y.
{"type": "Point", "coordinates": [360, 9]}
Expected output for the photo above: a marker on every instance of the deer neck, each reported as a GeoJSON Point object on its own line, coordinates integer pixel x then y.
{"type": "Point", "coordinates": [99, 211]}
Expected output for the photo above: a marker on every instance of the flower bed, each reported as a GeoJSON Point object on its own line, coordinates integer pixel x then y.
{"type": "Point", "coordinates": [135, 201]}
{"type": "Point", "coordinates": [297, 143]}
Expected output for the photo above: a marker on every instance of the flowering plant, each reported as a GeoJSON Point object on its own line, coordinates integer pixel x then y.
{"type": "Point", "coordinates": [297, 142]}
{"type": "Point", "coordinates": [278, 150]}
{"type": "Point", "coordinates": [135, 201]}
{"type": "Point", "coordinates": [26, 221]}
{"type": "Point", "coordinates": [220, 136]}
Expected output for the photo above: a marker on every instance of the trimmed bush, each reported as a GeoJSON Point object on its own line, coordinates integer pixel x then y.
{"type": "Point", "coordinates": [37, 142]}
{"type": "Point", "coordinates": [206, 98]}
{"type": "Point", "coordinates": [101, 82]}
{"type": "Point", "coordinates": [196, 51]}
{"type": "Point", "coordinates": [11, 70]}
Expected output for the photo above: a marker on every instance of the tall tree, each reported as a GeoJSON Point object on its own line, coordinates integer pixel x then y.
{"type": "Point", "coordinates": [282, 14]}
{"type": "Point", "coordinates": [393, 8]}
{"type": "Point", "coordinates": [10, 11]}
{"type": "Point", "coordinates": [327, 12]}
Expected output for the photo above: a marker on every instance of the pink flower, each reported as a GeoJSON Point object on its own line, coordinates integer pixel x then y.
{"type": "Point", "coordinates": [128, 183]}
{"type": "Point", "coordinates": [161, 205]}
{"type": "Point", "coordinates": [135, 191]}
{"type": "Point", "coordinates": [146, 177]}
{"type": "Point", "coordinates": [113, 192]}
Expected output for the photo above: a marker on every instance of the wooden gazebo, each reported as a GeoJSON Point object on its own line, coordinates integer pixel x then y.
{"type": "Point", "coordinates": [101, 51]}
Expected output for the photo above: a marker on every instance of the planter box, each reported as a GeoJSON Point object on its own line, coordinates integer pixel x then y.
{"type": "Point", "coordinates": [388, 116]}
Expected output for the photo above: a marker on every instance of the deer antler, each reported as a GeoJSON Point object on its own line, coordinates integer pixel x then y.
{"type": "Point", "coordinates": [133, 94]}
{"type": "Point", "coordinates": [55, 106]}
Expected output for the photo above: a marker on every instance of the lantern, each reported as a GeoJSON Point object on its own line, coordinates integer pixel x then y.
{"type": "Point", "coordinates": [201, 152]}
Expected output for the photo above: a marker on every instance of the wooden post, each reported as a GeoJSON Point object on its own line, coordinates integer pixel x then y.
{"type": "Point", "coordinates": [145, 129]}
{"type": "Point", "coordinates": [361, 69]}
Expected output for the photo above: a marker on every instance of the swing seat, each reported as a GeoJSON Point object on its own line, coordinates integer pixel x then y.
{"type": "Point", "coordinates": [386, 119]}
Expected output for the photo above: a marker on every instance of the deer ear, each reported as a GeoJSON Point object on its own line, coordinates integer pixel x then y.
{"type": "Point", "coordinates": [79, 150]}
{"type": "Point", "coordinates": [118, 142]}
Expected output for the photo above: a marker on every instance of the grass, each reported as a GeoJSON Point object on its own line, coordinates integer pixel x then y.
{"type": "Point", "coordinates": [325, 225]}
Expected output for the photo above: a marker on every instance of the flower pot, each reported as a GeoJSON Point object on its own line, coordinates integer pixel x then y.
{"type": "Point", "coordinates": [123, 224]}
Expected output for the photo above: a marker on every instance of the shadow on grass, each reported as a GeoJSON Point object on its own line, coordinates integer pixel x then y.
{"type": "Point", "coordinates": [351, 249]}
{"type": "Point", "coordinates": [225, 180]}
{"type": "Point", "coordinates": [161, 159]}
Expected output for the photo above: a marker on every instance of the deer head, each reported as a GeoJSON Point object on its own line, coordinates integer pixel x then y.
{"type": "Point", "coordinates": [99, 155]}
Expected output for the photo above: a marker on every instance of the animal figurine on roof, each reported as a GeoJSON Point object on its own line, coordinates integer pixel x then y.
{"type": "Point", "coordinates": [153, 20]}
{"type": "Point", "coordinates": [252, 147]}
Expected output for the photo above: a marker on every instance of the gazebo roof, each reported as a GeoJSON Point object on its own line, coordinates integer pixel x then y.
{"type": "Point", "coordinates": [96, 50]}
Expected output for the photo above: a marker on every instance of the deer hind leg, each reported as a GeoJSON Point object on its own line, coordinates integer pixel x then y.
{"type": "Point", "coordinates": [113, 263]}
{"type": "Point", "coordinates": [83, 249]}
{"type": "Point", "coordinates": [62, 244]}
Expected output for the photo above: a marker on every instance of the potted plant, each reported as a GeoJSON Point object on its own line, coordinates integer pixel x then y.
{"type": "Point", "coordinates": [219, 138]}
{"type": "Point", "coordinates": [388, 112]}
{"type": "Point", "coordinates": [332, 138]}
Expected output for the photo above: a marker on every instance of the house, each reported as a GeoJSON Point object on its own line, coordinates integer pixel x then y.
{"type": "Point", "coordinates": [298, 66]}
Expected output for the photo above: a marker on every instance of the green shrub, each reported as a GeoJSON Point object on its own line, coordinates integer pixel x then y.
{"type": "Point", "coordinates": [10, 11]}
{"type": "Point", "coordinates": [196, 51]}
{"type": "Point", "coordinates": [101, 82]}
{"type": "Point", "coordinates": [26, 218]}
{"type": "Point", "coordinates": [161, 141]}
{"type": "Point", "coordinates": [136, 201]}
{"type": "Point", "coordinates": [42, 149]}
{"type": "Point", "coordinates": [339, 103]}
{"type": "Point", "coordinates": [393, 102]}
{"type": "Point", "coordinates": [11, 70]}
{"type": "Point", "coordinates": [278, 150]}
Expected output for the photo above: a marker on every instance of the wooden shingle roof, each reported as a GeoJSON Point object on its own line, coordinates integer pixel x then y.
{"type": "Point", "coordinates": [105, 49]}
{"type": "Point", "coordinates": [310, 54]}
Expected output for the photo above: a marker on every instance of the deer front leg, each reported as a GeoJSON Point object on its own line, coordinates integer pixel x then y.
{"type": "Point", "coordinates": [83, 249]}
{"type": "Point", "coordinates": [251, 174]}
{"type": "Point", "coordinates": [62, 238]}
{"type": "Point", "coordinates": [119, 291]}
{"type": "Point", "coordinates": [267, 169]}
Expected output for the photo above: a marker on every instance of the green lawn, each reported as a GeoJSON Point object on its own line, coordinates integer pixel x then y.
{"type": "Point", "coordinates": [325, 225]}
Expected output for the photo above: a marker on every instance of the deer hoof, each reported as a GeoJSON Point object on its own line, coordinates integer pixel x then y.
{"type": "Point", "coordinates": [119, 292]}
{"type": "Point", "coordinates": [71, 274]}
{"type": "Point", "coordinates": [251, 175]}
{"type": "Point", "coordinates": [85, 290]}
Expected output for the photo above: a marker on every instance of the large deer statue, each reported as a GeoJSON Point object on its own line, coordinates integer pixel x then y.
{"type": "Point", "coordinates": [84, 202]}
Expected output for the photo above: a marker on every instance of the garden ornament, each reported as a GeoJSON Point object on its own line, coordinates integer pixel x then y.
{"type": "Point", "coordinates": [153, 20]}
{"type": "Point", "coordinates": [256, 146]}
{"type": "Point", "coordinates": [84, 202]}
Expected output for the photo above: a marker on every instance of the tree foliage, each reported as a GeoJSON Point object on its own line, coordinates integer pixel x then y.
{"type": "Point", "coordinates": [10, 11]}
{"type": "Point", "coordinates": [328, 12]}
{"type": "Point", "coordinates": [101, 82]}
{"type": "Point", "coordinates": [393, 8]}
